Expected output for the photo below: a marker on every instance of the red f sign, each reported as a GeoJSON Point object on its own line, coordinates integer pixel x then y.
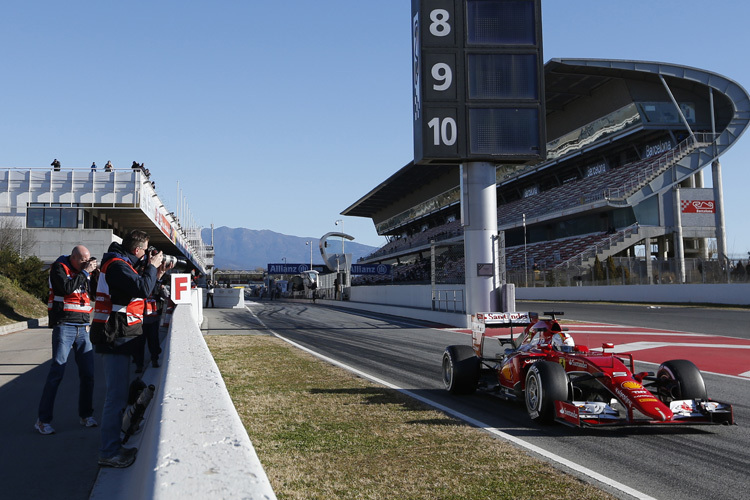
{"type": "Point", "coordinates": [180, 293]}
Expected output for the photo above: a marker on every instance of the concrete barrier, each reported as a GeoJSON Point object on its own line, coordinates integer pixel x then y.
{"type": "Point", "coordinates": [419, 296]}
{"type": "Point", "coordinates": [23, 325]}
{"type": "Point", "coordinates": [414, 301]}
{"type": "Point", "coordinates": [233, 298]}
{"type": "Point", "coordinates": [736, 294]}
{"type": "Point", "coordinates": [193, 444]}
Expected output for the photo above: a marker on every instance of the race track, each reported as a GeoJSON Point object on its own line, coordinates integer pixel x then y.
{"type": "Point", "coordinates": [664, 463]}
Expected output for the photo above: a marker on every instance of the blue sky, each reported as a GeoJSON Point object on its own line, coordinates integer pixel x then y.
{"type": "Point", "coordinates": [279, 115]}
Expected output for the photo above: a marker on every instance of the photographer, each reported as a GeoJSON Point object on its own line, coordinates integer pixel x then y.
{"type": "Point", "coordinates": [151, 321]}
{"type": "Point", "coordinates": [68, 310]}
{"type": "Point", "coordinates": [118, 322]}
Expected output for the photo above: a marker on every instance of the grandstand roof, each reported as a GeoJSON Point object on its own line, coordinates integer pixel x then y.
{"type": "Point", "coordinates": [401, 184]}
{"type": "Point", "coordinates": [566, 80]}
{"type": "Point", "coordinates": [563, 85]}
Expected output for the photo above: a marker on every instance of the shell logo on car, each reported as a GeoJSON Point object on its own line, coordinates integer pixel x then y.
{"type": "Point", "coordinates": [632, 385]}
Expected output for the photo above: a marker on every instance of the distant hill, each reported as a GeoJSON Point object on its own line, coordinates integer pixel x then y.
{"type": "Point", "coordinates": [240, 248]}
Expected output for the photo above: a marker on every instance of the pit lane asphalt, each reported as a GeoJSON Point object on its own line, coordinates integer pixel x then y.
{"type": "Point", "coordinates": [662, 462]}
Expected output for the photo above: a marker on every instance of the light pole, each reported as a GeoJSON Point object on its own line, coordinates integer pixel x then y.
{"type": "Point", "coordinates": [525, 259]}
{"type": "Point", "coordinates": [309, 243]}
{"type": "Point", "coordinates": [340, 274]}
{"type": "Point", "coordinates": [342, 230]}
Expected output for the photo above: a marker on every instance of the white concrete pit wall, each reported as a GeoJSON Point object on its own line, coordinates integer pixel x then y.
{"type": "Point", "coordinates": [193, 443]}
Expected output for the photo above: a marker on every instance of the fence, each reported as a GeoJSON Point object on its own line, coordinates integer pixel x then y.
{"type": "Point", "coordinates": [633, 271]}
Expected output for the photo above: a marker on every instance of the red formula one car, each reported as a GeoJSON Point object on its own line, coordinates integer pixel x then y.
{"type": "Point", "coordinates": [568, 383]}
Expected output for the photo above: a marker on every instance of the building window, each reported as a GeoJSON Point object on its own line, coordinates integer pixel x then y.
{"type": "Point", "coordinates": [51, 217]}
{"type": "Point", "coordinates": [35, 217]}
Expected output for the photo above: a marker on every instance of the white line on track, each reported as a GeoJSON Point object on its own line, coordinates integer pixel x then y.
{"type": "Point", "coordinates": [635, 332]}
{"type": "Point", "coordinates": [639, 346]}
{"type": "Point", "coordinates": [472, 421]}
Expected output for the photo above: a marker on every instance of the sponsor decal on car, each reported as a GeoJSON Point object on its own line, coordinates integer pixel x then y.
{"type": "Point", "coordinates": [568, 412]}
{"type": "Point", "coordinates": [682, 408]}
{"type": "Point", "coordinates": [576, 363]}
{"type": "Point", "coordinates": [710, 405]}
{"type": "Point", "coordinates": [647, 400]}
{"type": "Point", "coordinates": [640, 391]}
{"type": "Point", "coordinates": [623, 397]}
{"type": "Point", "coordinates": [507, 374]}
{"type": "Point", "coordinates": [632, 385]}
{"type": "Point", "coordinates": [505, 317]}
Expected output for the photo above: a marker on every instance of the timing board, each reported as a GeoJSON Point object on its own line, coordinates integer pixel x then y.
{"type": "Point", "coordinates": [478, 81]}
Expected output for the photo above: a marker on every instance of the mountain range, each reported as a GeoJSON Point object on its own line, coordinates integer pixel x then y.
{"type": "Point", "coordinates": [248, 249]}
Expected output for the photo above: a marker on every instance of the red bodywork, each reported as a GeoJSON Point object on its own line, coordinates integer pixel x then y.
{"type": "Point", "coordinates": [605, 373]}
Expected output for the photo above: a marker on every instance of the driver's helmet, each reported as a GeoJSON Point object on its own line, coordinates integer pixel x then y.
{"type": "Point", "coordinates": [562, 342]}
{"type": "Point", "coordinates": [541, 334]}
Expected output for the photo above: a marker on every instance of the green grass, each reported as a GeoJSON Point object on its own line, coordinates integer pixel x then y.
{"type": "Point", "coordinates": [323, 433]}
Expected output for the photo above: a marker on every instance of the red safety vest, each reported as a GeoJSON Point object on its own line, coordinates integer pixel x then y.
{"type": "Point", "coordinates": [76, 302]}
{"type": "Point", "coordinates": [104, 306]}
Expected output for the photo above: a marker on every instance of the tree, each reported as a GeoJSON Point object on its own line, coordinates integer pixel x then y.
{"type": "Point", "coordinates": [13, 237]}
{"type": "Point", "coordinates": [625, 273]}
{"type": "Point", "coordinates": [612, 269]}
{"type": "Point", "coordinates": [598, 270]}
{"type": "Point", "coordinates": [28, 273]}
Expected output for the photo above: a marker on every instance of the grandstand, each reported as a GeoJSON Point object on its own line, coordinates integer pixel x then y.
{"type": "Point", "coordinates": [628, 142]}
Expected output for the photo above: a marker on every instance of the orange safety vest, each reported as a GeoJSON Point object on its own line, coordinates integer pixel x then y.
{"type": "Point", "coordinates": [76, 302]}
{"type": "Point", "coordinates": [104, 306]}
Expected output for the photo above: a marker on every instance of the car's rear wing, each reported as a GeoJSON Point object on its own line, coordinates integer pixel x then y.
{"type": "Point", "coordinates": [480, 322]}
{"type": "Point", "coordinates": [506, 319]}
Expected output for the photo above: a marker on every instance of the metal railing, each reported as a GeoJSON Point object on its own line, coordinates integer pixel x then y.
{"type": "Point", "coordinates": [606, 244]}
{"type": "Point", "coordinates": [653, 168]}
{"type": "Point", "coordinates": [635, 271]}
{"type": "Point", "coordinates": [448, 301]}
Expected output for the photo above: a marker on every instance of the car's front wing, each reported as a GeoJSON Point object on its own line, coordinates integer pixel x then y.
{"type": "Point", "coordinates": [686, 412]}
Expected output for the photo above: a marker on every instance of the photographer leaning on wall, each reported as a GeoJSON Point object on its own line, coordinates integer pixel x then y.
{"type": "Point", "coordinates": [118, 322]}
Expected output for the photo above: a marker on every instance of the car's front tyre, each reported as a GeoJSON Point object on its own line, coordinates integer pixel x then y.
{"type": "Point", "coordinates": [680, 379]}
{"type": "Point", "coordinates": [546, 382]}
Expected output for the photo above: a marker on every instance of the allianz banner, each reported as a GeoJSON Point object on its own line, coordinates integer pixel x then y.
{"type": "Point", "coordinates": [372, 269]}
{"type": "Point", "coordinates": [288, 268]}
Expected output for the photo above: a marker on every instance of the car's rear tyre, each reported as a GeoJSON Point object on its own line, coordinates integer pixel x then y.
{"type": "Point", "coordinates": [460, 369]}
{"type": "Point", "coordinates": [546, 382]}
{"type": "Point", "coordinates": [680, 379]}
